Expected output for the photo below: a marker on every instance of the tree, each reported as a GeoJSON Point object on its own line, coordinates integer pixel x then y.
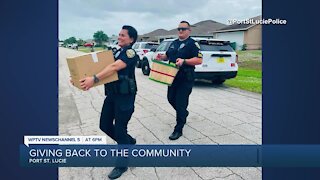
{"type": "Point", "coordinates": [100, 37]}
{"type": "Point", "coordinates": [80, 42]}
{"type": "Point", "coordinates": [70, 40]}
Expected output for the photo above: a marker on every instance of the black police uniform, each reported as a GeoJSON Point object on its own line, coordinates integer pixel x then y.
{"type": "Point", "coordinates": [179, 91]}
{"type": "Point", "coordinates": [120, 97]}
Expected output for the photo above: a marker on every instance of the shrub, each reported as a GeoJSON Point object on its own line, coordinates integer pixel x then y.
{"type": "Point", "coordinates": [244, 47]}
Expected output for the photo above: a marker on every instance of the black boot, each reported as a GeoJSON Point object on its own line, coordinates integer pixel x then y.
{"type": "Point", "coordinates": [117, 172]}
{"type": "Point", "coordinates": [175, 135]}
{"type": "Point", "coordinates": [132, 140]}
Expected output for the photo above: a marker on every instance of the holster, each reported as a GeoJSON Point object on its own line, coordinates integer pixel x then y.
{"type": "Point", "coordinates": [127, 85]}
{"type": "Point", "coordinates": [132, 86]}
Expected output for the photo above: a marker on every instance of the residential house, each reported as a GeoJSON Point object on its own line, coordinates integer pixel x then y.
{"type": "Point", "coordinates": [244, 35]}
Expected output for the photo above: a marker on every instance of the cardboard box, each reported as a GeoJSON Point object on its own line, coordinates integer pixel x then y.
{"type": "Point", "coordinates": [89, 64]}
{"type": "Point", "coordinates": [162, 72]}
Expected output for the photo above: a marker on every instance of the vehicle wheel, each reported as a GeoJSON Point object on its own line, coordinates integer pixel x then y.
{"type": "Point", "coordinates": [114, 50]}
{"type": "Point", "coordinates": [145, 67]}
{"type": "Point", "coordinates": [138, 65]}
{"type": "Point", "coordinates": [218, 81]}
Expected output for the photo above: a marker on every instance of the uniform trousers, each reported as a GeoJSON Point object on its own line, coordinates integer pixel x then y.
{"type": "Point", "coordinates": [116, 112]}
{"type": "Point", "coordinates": [178, 96]}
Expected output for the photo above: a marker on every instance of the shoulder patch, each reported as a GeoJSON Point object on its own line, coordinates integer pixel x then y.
{"type": "Point", "coordinates": [130, 53]}
{"type": "Point", "coordinates": [198, 46]}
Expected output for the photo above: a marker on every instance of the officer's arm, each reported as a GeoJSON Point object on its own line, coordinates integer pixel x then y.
{"type": "Point", "coordinates": [194, 61]}
{"type": "Point", "coordinates": [111, 69]}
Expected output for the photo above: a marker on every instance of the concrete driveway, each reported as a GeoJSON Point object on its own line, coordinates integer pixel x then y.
{"type": "Point", "coordinates": [218, 115]}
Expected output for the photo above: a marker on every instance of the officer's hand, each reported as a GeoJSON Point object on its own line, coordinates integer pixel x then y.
{"type": "Point", "coordinates": [86, 83]}
{"type": "Point", "coordinates": [160, 57]}
{"type": "Point", "coordinates": [179, 62]}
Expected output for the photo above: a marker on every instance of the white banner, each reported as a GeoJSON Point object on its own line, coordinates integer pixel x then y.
{"type": "Point", "coordinates": [63, 140]}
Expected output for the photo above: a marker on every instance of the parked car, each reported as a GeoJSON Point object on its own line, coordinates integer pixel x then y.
{"type": "Point", "coordinates": [72, 46]}
{"type": "Point", "coordinates": [114, 46]}
{"type": "Point", "coordinates": [88, 44]}
{"type": "Point", "coordinates": [142, 48]}
{"type": "Point", "coordinates": [220, 61]}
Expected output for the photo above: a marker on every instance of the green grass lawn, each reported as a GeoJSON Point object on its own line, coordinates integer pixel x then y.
{"type": "Point", "coordinates": [88, 50]}
{"type": "Point", "coordinates": [247, 79]}
{"type": "Point", "coordinates": [249, 75]}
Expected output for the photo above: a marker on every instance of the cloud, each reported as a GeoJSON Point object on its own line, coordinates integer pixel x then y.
{"type": "Point", "coordinates": [82, 18]}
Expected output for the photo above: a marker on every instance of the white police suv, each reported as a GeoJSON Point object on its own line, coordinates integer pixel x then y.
{"type": "Point", "coordinates": [220, 61]}
{"type": "Point", "coordinates": [114, 46]}
{"type": "Point", "coordinates": [142, 48]}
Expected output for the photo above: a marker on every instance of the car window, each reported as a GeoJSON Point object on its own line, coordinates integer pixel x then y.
{"type": "Point", "coordinates": [155, 46]}
{"type": "Point", "coordinates": [164, 46]}
{"type": "Point", "coordinates": [148, 45]}
{"type": "Point", "coordinates": [135, 46]}
{"type": "Point", "coordinates": [215, 46]}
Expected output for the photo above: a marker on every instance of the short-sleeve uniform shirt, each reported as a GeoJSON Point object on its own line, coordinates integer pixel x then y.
{"type": "Point", "coordinates": [185, 49]}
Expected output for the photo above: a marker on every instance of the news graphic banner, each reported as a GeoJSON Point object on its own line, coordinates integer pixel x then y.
{"type": "Point", "coordinates": [65, 140]}
{"type": "Point", "coordinates": [93, 151]}
{"type": "Point", "coordinates": [138, 156]}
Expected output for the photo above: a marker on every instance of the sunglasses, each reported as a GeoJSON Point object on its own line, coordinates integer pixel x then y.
{"type": "Point", "coordinates": [182, 29]}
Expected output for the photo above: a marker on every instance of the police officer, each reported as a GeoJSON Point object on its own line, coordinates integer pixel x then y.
{"type": "Point", "coordinates": [185, 53]}
{"type": "Point", "coordinates": [120, 95]}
